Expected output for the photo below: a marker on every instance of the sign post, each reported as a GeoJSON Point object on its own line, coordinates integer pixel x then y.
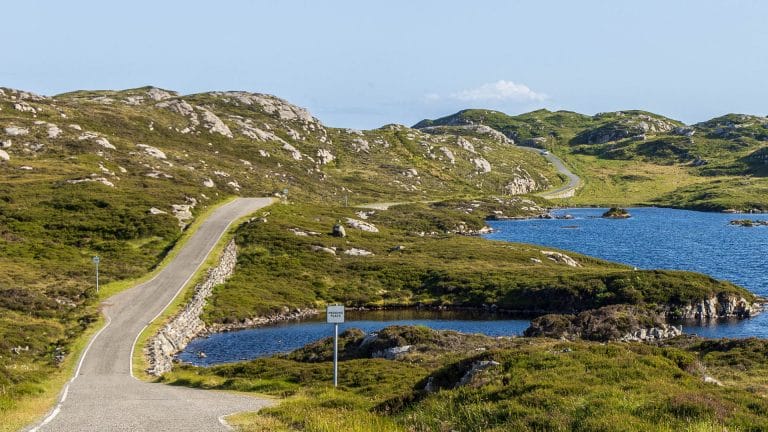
{"type": "Point", "coordinates": [335, 314]}
{"type": "Point", "coordinates": [96, 260]}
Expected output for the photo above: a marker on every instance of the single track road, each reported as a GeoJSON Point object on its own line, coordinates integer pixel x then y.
{"type": "Point", "coordinates": [104, 396]}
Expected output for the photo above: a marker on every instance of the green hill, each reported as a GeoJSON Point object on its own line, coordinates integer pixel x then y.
{"type": "Point", "coordinates": [122, 174]}
{"type": "Point", "coordinates": [637, 157]}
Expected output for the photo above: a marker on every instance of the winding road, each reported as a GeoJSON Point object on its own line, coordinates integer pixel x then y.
{"type": "Point", "coordinates": [565, 191]}
{"type": "Point", "coordinates": [104, 396]}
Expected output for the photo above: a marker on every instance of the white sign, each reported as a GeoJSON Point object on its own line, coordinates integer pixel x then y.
{"type": "Point", "coordinates": [334, 314]}
{"type": "Point", "coordinates": [96, 259]}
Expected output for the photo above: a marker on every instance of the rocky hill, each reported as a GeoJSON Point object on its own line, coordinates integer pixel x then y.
{"type": "Point", "coordinates": [626, 151]}
{"type": "Point", "coordinates": [120, 174]}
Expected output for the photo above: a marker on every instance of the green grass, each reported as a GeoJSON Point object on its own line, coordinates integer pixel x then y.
{"type": "Point", "coordinates": [278, 269]}
{"type": "Point", "coordinates": [139, 363]}
{"type": "Point", "coordinates": [538, 385]}
{"type": "Point", "coordinates": [719, 167]}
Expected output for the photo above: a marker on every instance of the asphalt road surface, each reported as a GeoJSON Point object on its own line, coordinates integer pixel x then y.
{"type": "Point", "coordinates": [103, 395]}
{"type": "Point", "coordinates": [567, 190]}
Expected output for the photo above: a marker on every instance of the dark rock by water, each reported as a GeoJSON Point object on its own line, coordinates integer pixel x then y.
{"type": "Point", "coordinates": [616, 213]}
{"type": "Point", "coordinates": [609, 323]}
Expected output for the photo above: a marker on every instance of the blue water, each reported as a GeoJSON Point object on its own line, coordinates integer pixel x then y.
{"type": "Point", "coordinates": [652, 238]}
{"type": "Point", "coordinates": [265, 341]}
{"type": "Point", "coordinates": [665, 239]}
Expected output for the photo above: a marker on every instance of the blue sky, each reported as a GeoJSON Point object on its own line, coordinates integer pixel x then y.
{"type": "Point", "coordinates": [363, 64]}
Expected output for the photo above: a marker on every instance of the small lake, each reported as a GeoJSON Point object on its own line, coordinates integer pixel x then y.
{"type": "Point", "coordinates": [264, 341]}
{"type": "Point", "coordinates": [652, 238]}
{"type": "Point", "coordinates": [664, 239]}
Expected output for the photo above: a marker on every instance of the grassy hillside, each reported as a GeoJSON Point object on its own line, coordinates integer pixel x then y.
{"type": "Point", "coordinates": [290, 259]}
{"type": "Point", "coordinates": [120, 174]}
{"type": "Point", "coordinates": [636, 157]}
{"type": "Point", "coordinates": [521, 384]}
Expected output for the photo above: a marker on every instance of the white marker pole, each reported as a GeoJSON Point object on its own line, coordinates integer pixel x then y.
{"type": "Point", "coordinates": [335, 314]}
{"type": "Point", "coordinates": [335, 354]}
{"type": "Point", "coordinates": [96, 261]}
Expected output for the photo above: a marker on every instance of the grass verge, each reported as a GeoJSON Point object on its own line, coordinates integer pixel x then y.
{"type": "Point", "coordinates": [139, 361]}
{"type": "Point", "coordinates": [29, 408]}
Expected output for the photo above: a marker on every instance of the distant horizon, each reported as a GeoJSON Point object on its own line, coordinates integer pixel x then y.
{"type": "Point", "coordinates": [411, 124]}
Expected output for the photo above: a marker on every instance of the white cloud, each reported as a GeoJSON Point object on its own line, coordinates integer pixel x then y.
{"type": "Point", "coordinates": [499, 91]}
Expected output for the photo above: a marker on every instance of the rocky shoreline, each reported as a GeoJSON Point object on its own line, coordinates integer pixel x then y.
{"type": "Point", "coordinates": [174, 336]}
{"type": "Point", "coordinates": [186, 325]}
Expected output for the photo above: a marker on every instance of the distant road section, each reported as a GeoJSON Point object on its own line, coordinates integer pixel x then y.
{"type": "Point", "coordinates": [104, 396]}
{"type": "Point", "coordinates": [567, 190]}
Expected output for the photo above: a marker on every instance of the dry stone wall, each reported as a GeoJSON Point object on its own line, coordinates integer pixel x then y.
{"type": "Point", "coordinates": [186, 325]}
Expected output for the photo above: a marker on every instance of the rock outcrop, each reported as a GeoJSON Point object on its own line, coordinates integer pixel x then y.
{"type": "Point", "coordinates": [616, 213]}
{"type": "Point", "coordinates": [361, 225]}
{"type": "Point", "coordinates": [722, 305]}
{"type": "Point", "coordinates": [561, 258]}
{"type": "Point", "coordinates": [520, 185]}
{"type": "Point", "coordinates": [609, 323]}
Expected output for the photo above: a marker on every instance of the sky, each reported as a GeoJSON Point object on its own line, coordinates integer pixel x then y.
{"type": "Point", "coordinates": [363, 64]}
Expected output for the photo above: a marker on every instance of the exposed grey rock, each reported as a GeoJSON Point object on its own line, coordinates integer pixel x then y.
{"type": "Point", "coordinates": [183, 212]}
{"type": "Point", "coordinates": [391, 353]}
{"type": "Point", "coordinates": [93, 136]}
{"type": "Point", "coordinates": [357, 252]}
{"type": "Point", "coordinates": [719, 306]}
{"type": "Point", "coordinates": [339, 231]}
{"type": "Point", "coordinates": [363, 226]}
{"type": "Point", "coordinates": [481, 165]}
{"type": "Point", "coordinates": [710, 380]}
{"type": "Point", "coordinates": [156, 211]}
{"type": "Point", "coordinates": [208, 183]}
{"type": "Point", "coordinates": [4, 156]}
{"type": "Point", "coordinates": [448, 155]}
{"type": "Point", "coordinates": [152, 151]}
{"type": "Point", "coordinates": [214, 124]}
{"type": "Point", "coordinates": [295, 154]}
{"type": "Point", "coordinates": [302, 233]}
{"type": "Point", "coordinates": [609, 323]}
{"type": "Point", "coordinates": [465, 144]}
{"type": "Point", "coordinates": [327, 250]}
{"type": "Point", "coordinates": [6, 144]}
{"type": "Point", "coordinates": [92, 178]}
{"type": "Point", "coordinates": [325, 156]}
{"type": "Point", "coordinates": [520, 185]}
{"type": "Point", "coordinates": [53, 131]}
{"type": "Point", "coordinates": [157, 94]}
{"type": "Point", "coordinates": [16, 131]}
{"type": "Point", "coordinates": [561, 258]}
{"type": "Point", "coordinates": [24, 107]}
{"type": "Point", "coordinates": [477, 368]}
{"type": "Point", "coordinates": [411, 172]}
{"type": "Point", "coordinates": [684, 131]}
{"type": "Point", "coordinates": [360, 144]}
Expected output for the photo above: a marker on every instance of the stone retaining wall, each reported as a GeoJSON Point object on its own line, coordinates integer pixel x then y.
{"type": "Point", "coordinates": [186, 325]}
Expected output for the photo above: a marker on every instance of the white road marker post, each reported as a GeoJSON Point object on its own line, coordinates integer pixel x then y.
{"type": "Point", "coordinates": [96, 260]}
{"type": "Point", "coordinates": [335, 314]}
